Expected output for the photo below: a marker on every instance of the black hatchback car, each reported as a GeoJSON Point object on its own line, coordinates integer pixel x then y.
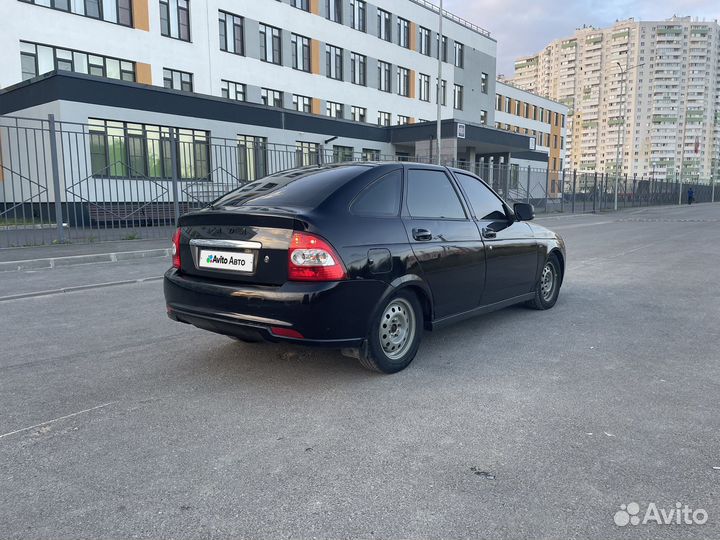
{"type": "Point", "coordinates": [358, 256]}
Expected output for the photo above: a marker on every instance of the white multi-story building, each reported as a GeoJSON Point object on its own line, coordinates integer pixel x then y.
{"type": "Point", "coordinates": [372, 58]}
{"type": "Point", "coordinates": [520, 111]}
{"type": "Point", "coordinates": [660, 119]}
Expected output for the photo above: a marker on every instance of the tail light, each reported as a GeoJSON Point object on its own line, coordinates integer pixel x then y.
{"type": "Point", "coordinates": [176, 249]}
{"type": "Point", "coordinates": [310, 258]}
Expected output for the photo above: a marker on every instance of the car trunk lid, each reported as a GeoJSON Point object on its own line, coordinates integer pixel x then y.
{"type": "Point", "coordinates": [247, 244]}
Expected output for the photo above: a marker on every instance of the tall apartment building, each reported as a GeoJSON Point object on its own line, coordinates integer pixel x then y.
{"type": "Point", "coordinates": [663, 122]}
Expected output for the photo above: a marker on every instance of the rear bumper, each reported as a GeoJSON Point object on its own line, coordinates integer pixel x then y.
{"type": "Point", "coordinates": [330, 314]}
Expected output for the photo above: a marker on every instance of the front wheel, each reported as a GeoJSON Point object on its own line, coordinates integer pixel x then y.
{"type": "Point", "coordinates": [548, 288]}
{"type": "Point", "coordinates": [395, 333]}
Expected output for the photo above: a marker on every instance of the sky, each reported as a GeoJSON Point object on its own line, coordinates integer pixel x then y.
{"type": "Point", "coordinates": [523, 27]}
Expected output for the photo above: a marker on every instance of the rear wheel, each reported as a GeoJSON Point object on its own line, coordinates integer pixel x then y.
{"type": "Point", "coordinates": [395, 333]}
{"type": "Point", "coordinates": [548, 287]}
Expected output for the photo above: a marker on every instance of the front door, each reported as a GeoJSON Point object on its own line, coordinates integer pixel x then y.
{"type": "Point", "coordinates": [445, 241]}
{"type": "Point", "coordinates": [512, 254]}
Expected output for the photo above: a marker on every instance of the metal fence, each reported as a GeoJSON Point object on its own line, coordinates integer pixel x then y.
{"type": "Point", "coordinates": [68, 182]}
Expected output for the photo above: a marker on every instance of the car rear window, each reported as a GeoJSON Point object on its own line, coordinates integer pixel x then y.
{"type": "Point", "coordinates": [381, 198]}
{"type": "Point", "coordinates": [304, 188]}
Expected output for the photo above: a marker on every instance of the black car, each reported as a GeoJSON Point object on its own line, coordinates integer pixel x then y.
{"type": "Point", "coordinates": [358, 256]}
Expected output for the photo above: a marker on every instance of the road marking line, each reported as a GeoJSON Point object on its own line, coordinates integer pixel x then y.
{"type": "Point", "coordinates": [575, 225]}
{"type": "Point", "coordinates": [58, 419]}
{"type": "Point", "coordinates": [78, 288]}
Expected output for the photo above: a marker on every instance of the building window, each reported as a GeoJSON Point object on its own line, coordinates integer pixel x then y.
{"type": "Point", "coordinates": [300, 52]}
{"type": "Point", "coordinates": [334, 110]}
{"type": "Point", "coordinates": [370, 154]}
{"type": "Point", "coordinates": [384, 81]}
{"type": "Point", "coordinates": [301, 4]}
{"type": "Point", "coordinates": [384, 25]}
{"type": "Point", "coordinates": [359, 15]}
{"type": "Point", "coordinates": [113, 11]}
{"type": "Point", "coordinates": [36, 59]}
{"type": "Point", "coordinates": [307, 153]}
{"type": "Point", "coordinates": [359, 114]}
{"type": "Point", "coordinates": [403, 120]}
{"type": "Point", "coordinates": [444, 48]}
{"type": "Point", "coordinates": [28, 65]}
{"type": "Point", "coordinates": [424, 42]}
{"type": "Point", "coordinates": [271, 98]}
{"type": "Point", "coordinates": [443, 91]}
{"type": "Point", "coordinates": [483, 117]}
{"type": "Point", "coordinates": [93, 9]}
{"type": "Point", "coordinates": [342, 153]}
{"type": "Point", "coordinates": [384, 118]}
{"type": "Point", "coordinates": [252, 157]}
{"type": "Point", "coordinates": [484, 83]}
{"type": "Point", "coordinates": [232, 90]}
{"type": "Point", "coordinates": [302, 103]}
{"type": "Point", "coordinates": [403, 81]}
{"type": "Point", "coordinates": [333, 9]}
{"type": "Point", "coordinates": [334, 62]}
{"type": "Point", "coordinates": [175, 19]}
{"type": "Point", "coordinates": [458, 97]}
{"type": "Point", "coordinates": [358, 69]}
{"type": "Point", "coordinates": [403, 32]}
{"type": "Point", "coordinates": [423, 87]}
{"type": "Point", "coordinates": [231, 33]}
{"type": "Point", "coordinates": [177, 80]}
{"type": "Point", "coordinates": [459, 55]}
{"type": "Point", "coordinates": [127, 150]}
{"type": "Point", "coordinates": [270, 48]}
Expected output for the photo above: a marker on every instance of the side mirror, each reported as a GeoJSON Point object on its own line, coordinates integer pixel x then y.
{"type": "Point", "coordinates": [524, 211]}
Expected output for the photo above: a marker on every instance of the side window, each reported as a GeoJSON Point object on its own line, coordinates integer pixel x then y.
{"type": "Point", "coordinates": [381, 198]}
{"type": "Point", "coordinates": [431, 195]}
{"type": "Point", "coordinates": [483, 201]}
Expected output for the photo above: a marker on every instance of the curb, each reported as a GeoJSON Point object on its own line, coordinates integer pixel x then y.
{"type": "Point", "coordinates": [59, 262]}
{"type": "Point", "coordinates": [79, 288]}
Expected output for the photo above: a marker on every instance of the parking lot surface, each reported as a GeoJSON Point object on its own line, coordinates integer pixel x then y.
{"type": "Point", "coordinates": [117, 422]}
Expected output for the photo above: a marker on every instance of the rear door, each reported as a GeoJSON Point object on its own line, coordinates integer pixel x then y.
{"type": "Point", "coordinates": [512, 251]}
{"type": "Point", "coordinates": [444, 239]}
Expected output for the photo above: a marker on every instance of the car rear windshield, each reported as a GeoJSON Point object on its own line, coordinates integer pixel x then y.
{"type": "Point", "coordinates": [298, 188]}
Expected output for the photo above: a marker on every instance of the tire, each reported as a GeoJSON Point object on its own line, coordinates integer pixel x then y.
{"type": "Point", "coordinates": [548, 286]}
{"type": "Point", "coordinates": [395, 333]}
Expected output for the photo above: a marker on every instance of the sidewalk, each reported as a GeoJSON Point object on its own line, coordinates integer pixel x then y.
{"type": "Point", "coordinates": [39, 257]}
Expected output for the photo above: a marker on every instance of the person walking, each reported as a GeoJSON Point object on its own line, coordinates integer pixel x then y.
{"type": "Point", "coordinates": [691, 195]}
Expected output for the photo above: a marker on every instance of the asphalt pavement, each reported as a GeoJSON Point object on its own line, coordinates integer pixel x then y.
{"type": "Point", "coordinates": [119, 423]}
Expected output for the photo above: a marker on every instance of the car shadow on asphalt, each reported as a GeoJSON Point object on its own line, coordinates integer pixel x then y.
{"type": "Point", "coordinates": [231, 359]}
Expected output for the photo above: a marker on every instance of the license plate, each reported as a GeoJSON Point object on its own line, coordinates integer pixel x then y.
{"type": "Point", "coordinates": [226, 260]}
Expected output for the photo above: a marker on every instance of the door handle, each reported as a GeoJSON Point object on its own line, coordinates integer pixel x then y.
{"type": "Point", "coordinates": [488, 233]}
{"type": "Point", "coordinates": [421, 235]}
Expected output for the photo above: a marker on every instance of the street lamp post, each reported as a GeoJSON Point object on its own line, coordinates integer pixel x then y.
{"type": "Point", "coordinates": [621, 121]}
{"type": "Point", "coordinates": [439, 83]}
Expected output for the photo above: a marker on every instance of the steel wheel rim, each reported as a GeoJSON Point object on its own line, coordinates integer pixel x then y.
{"type": "Point", "coordinates": [547, 282]}
{"type": "Point", "coordinates": [397, 328]}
